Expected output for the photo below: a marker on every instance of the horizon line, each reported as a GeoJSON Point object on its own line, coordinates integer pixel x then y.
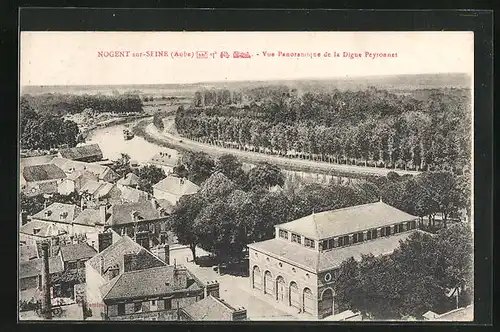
{"type": "Point", "coordinates": [344, 77]}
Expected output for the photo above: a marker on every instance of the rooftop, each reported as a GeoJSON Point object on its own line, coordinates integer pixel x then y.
{"type": "Point", "coordinates": [89, 217]}
{"type": "Point", "coordinates": [113, 255]}
{"type": "Point", "coordinates": [147, 282]}
{"type": "Point", "coordinates": [68, 166]}
{"type": "Point", "coordinates": [33, 267]}
{"type": "Point", "coordinates": [177, 186]}
{"type": "Point", "coordinates": [43, 172]}
{"type": "Point", "coordinates": [211, 309]}
{"type": "Point", "coordinates": [59, 212]}
{"type": "Point", "coordinates": [323, 225]}
{"type": "Point", "coordinates": [315, 261]}
{"type": "Point", "coordinates": [132, 195]}
{"type": "Point", "coordinates": [82, 152]}
{"type": "Point", "coordinates": [129, 180]}
{"type": "Point", "coordinates": [42, 188]}
{"type": "Point", "coordinates": [458, 315]}
{"type": "Point", "coordinates": [39, 228]}
{"type": "Point", "coordinates": [121, 214]}
{"type": "Point", "coordinates": [74, 252]}
{"type": "Point", "coordinates": [27, 252]}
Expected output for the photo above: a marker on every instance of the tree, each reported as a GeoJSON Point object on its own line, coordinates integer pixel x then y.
{"type": "Point", "coordinates": [199, 165]}
{"type": "Point", "coordinates": [181, 171]}
{"type": "Point", "coordinates": [265, 175]}
{"type": "Point", "coordinates": [231, 167]}
{"type": "Point", "coordinates": [216, 187]}
{"type": "Point", "coordinates": [182, 221]}
{"type": "Point", "coordinates": [122, 165]}
{"type": "Point", "coordinates": [148, 176]}
{"type": "Point", "coordinates": [31, 204]}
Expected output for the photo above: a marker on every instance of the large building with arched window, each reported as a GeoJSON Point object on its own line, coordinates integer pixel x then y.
{"type": "Point", "coordinates": [299, 266]}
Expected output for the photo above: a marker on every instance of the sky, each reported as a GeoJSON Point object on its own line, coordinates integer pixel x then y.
{"type": "Point", "coordinates": [71, 58]}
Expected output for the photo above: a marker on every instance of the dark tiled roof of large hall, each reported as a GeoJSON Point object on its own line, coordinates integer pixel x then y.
{"type": "Point", "coordinates": [328, 224]}
{"type": "Point", "coordinates": [43, 173]}
{"type": "Point", "coordinates": [82, 152]}
{"type": "Point", "coordinates": [315, 261]}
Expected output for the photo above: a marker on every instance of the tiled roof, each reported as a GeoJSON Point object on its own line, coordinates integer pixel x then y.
{"type": "Point", "coordinates": [89, 217]}
{"type": "Point", "coordinates": [143, 283]}
{"type": "Point", "coordinates": [163, 159]}
{"type": "Point", "coordinates": [122, 213]}
{"type": "Point", "coordinates": [38, 160]}
{"type": "Point", "coordinates": [315, 261]}
{"type": "Point", "coordinates": [73, 252]}
{"type": "Point", "coordinates": [129, 180]}
{"type": "Point", "coordinates": [82, 152]}
{"type": "Point", "coordinates": [97, 188]}
{"type": "Point", "coordinates": [113, 255]}
{"type": "Point", "coordinates": [458, 315]}
{"type": "Point", "coordinates": [33, 267]}
{"type": "Point", "coordinates": [69, 166]}
{"type": "Point", "coordinates": [328, 224]}
{"type": "Point", "coordinates": [55, 210]}
{"type": "Point", "coordinates": [177, 186]}
{"type": "Point", "coordinates": [132, 195]}
{"type": "Point", "coordinates": [42, 173]}
{"type": "Point", "coordinates": [210, 308]}
{"type": "Point", "coordinates": [45, 229]}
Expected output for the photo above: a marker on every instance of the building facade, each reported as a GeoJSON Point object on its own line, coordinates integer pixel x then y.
{"type": "Point", "coordinates": [298, 268]}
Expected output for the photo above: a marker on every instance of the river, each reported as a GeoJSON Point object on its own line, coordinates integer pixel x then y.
{"type": "Point", "coordinates": [112, 144]}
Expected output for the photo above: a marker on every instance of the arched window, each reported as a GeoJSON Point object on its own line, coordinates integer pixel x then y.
{"type": "Point", "coordinates": [308, 301]}
{"type": "Point", "coordinates": [268, 283]}
{"type": "Point", "coordinates": [257, 278]}
{"type": "Point", "coordinates": [294, 295]}
{"type": "Point", "coordinates": [326, 303]}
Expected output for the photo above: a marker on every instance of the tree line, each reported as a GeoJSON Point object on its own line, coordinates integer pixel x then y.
{"type": "Point", "coordinates": [44, 131]}
{"type": "Point", "coordinates": [58, 104]}
{"type": "Point", "coordinates": [370, 127]}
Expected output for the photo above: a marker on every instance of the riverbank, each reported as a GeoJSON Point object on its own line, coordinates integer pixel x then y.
{"type": "Point", "coordinates": [150, 133]}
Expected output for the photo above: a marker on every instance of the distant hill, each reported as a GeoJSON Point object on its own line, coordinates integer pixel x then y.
{"type": "Point", "coordinates": [393, 82]}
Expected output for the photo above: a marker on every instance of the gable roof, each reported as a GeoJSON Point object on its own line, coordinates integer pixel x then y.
{"type": "Point", "coordinates": [147, 282]}
{"type": "Point", "coordinates": [33, 267]}
{"type": "Point", "coordinates": [82, 152]}
{"type": "Point", "coordinates": [210, 308]}
{"type": "Point", "coordinates": [458, 315]}
{"type": "Point", "coordinates": [315, 261]}
{"type": "Point", "coordinates": [323, 225]}
{"type": "Point", "coordinates": [42, 188]}
{"type": "Point", "coordinates": [163, 159]}
{"type": "Point", "coordinates": [43, 172]}
{"type": "Point", "coordinates": [45, 229]}
{"type": "Point", "coordinates": [89, 217]}
{"type": "Point", "coordinates": [27, 252]}
{"type": "Point", "coordinates": [113, 255]}
{"type": "Point", "coordinates": [97, 188]}
{"type": "Point", "coordinates": [122, 213]}
{"type": "Point", "coordinates": [55, 210]}
{"type": "Point", "coordinates": [132, 195]}
{"type": "Point", "coordinates": [129, 180]}
{"type": "Point", "coordinates": [177, 186]}
{"type": "Point", "coordinates": [73, 252]}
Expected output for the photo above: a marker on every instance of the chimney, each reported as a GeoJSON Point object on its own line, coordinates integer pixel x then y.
{"type": "Point", "coordinates": [104, 240]}
{"type": "Point", "coordinates": [129, 262]}
{"type": "Point", "coordinates": [102, 214]}
{"type": "Point", "coordinates": [212, 288]}
{"type": "Point", "coordinates": [82, 203]}
{"type": "Point", "coordinates": [180, 276]}
{"type": "Point", "coordinates": [101, 265]}
{"type": "Point", "coordinates": [239, 314]}
{"type": "Point", "coordinates": [46, 304]}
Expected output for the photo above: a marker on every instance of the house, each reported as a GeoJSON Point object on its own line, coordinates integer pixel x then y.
{"type": "Point", "coordinates": [299, 266]}
{"type": "Point", "coordinates": [69, 218]}
{"type": "Point", "coordinates": [75, 181]}
{"type": "Point", "coordinates": [144, 221]}
{"type": "Point", "coordinates": [96, 193]}
{"type": "Point", "coordinates": [27, 252]}
{"type": "Point", "coordinates": [75, 255]}
{"type": "Point", "coordinates": [158, 293]}
{"type": "Point", "coordinates": [30, 272]}
{"type": "Point", "coordinates": [165, 161]}
{"type": "Point", "coordinates": [172, 188]}
{"type": "Point", "coordinates": [130, 180]}
{"type": "Point", "coordinates": [110, 262]}
{"type": "Point", "coordinates": [37, 230]}
{"type": "Point", "coordinates": [41, 179]}
{"type": "Point", "coordinates": [212, 309]}
{"type": "Point", "coordinates": [87, 153]}
{"type": "Point", "coordinates": [103, 173]}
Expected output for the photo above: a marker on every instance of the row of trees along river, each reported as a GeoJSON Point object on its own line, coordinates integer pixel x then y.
{"type": "Point", "coordinates": [416, 130]}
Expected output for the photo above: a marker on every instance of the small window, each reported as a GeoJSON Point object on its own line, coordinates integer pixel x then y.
{"type": "Point", "coordinates": [153, 302]}
{"type": "Point", "coordinates": [121, 309]}
{"type": "Point", "coordinates": [309, 243]}
{"type": "Point", "coordinates": [354, 238]}
{"type": "Point", "coordinates": [374, 234]}
{"type": "Point", "coordinates": [296, 238]}
{"type": "Point", "coordinates": [137, 306]}
{"type": "Point", "coordinates": [346, 240]}
{"type": "Point", "coordinates": [331, 243]}
{"type": "Point", "coordinates": [328, 277]}
{"type": "Point", "coordinates": [388, 231]}
{"type": "Point", "coordinates": [368, 235]}
{"type": "Point", "coordinates": [324, 245]}
{"type": "Point", "coordinates": [413, 224]}
{"type": "Point", "coordinates": [340, 242]}
{"type": "Point", "coordinates": [283, 234]}
{"type": "Point", "coordinates": [168, 304]}
{"type": "Point", "coordinates": [360, 237]}
{"type": "Point", "coordinates": [280, 265]}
